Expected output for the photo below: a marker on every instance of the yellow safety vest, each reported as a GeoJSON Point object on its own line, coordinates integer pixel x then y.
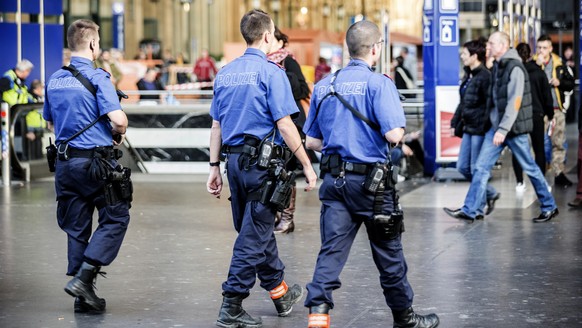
{"type": "Point", "coordinates": [18, 94]}
{"type": "Point", "coordinates": [34, 120]}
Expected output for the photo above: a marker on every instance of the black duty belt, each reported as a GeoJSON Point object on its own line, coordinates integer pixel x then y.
{"type": "Point", "coordinates": [232, 149]}
{"type": "Point", "coordinates": [104, 152]}
{"type": "Point", "coordinates": [352, 168]}
{"type": "Point", "coordinates": [357, 168]}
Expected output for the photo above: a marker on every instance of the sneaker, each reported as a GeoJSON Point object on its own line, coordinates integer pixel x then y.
{"type": "Point", "coordinates": [520, 187]}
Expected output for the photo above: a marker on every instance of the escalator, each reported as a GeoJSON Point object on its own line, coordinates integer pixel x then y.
{"type": "Point", "coordinates": [27, 144]}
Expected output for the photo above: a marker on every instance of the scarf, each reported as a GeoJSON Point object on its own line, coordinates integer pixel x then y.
{"type": "Point", "coordinates": [280, 55]}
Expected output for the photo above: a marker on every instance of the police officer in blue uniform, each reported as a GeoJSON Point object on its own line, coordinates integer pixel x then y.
{"type": "Point", "coordinates": [354, 158]}
{"type": "Point", "coordinates": [70, 107]}
{"type": "Point", "coordinates": [251, 112]}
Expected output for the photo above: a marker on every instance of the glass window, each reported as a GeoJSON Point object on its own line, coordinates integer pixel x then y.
{"type": "Point", "coordinates": [471, 5]}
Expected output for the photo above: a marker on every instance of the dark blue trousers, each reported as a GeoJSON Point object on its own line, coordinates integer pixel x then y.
{"type": "Point", "coordinates": [255, 251]}
{"type": "Point", "coordinates": [343, 210]}
{"type": "Point", "coordinates": [77, 198]}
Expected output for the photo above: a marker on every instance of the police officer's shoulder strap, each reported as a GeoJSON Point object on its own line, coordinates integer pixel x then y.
{"type": "Point", "coordinates": [354, 111]}
{"type": "Point", "coordinates": [84, 81]}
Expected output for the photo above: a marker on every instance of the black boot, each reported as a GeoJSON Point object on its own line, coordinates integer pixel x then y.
{"type": "Point", "coordinates": [284, 304]}
{"type": "Point", "coordinates": [82, 286]}
{"type": "Point", "coordinates": [319, 316]}
{"type": "Point", "coordinates": [232, 315]}
{"type": "Point", "coordinates": [407, 318]}
{"type": "Point", "coordinates": [82, 307]}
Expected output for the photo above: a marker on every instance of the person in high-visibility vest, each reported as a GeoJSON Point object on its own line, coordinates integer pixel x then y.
{"type": "Point", "coordinates": [35, 124]}
{"type": "Point", "coordinates": [12, 84]}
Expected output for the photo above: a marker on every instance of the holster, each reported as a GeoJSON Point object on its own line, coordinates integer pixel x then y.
{"type": "Point", "coordinates": [384, 227]}
{"type": "Point", "coordinates": [276, 190]}
{"type": "Point", "coordinates": [282, 193]}
{"type": "Point", "coordinates": [119, 186]}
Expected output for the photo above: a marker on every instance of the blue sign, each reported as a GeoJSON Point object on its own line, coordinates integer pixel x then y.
{"type": "Point", "coordinates": [441, 78]}
{"type": "Point", "coordinates": [449, 6]}
{"type": "Point", "coordinates": [30, 38]}
{"type": "Point", "coordinates": [53, 7]}
{"type": "Point", "coordinates": [427, 30]}
{"type": "Point", "coordinates": [118, 26]}
{"type": "Point", "coordinates": [449, 31]}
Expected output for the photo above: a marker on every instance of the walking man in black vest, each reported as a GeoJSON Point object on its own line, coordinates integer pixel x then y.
{"type": "Point", "coordinates": [510, 119]}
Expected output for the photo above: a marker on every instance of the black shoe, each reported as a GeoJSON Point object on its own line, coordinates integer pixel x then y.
{"type": "Point", "coordinates": [458, 214]}
{"type": "Point", "coordinates": [318, 316]}
{"type": "Point", "coordinates": [491, 203]}
{"type": "Point", "coordinates": [407, 318]}
{"type": "Point", "coordinates": [546, 216]}
{"type": "Point", "coordinates": [562, 180]}
{"type": "Point", "coordinates": [284, 304]}
{"type": "Point", "coordinates": [577, 202]}
{"type": "Point", "coordinates": [232, 315]}
{"type": "Point", "coordinates": [82, 307]}
{"type": "Point", "coordinates": [81, 286]}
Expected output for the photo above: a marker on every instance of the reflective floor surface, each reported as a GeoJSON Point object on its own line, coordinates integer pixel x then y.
{"type": "Point", "coordinates": [504, 271]}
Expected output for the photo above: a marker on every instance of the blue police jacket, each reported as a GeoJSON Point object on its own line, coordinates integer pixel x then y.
{"type": "Point", "coordinates": [71, 107]}
{"type": "Point", "coordinates": [250, 95]}
{"type": "Point", "coordinates": [374, 95]}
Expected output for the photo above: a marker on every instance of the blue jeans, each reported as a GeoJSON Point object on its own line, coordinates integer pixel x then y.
{"type": "Point", "coordinates": [520, 148]}
{"type": "Point", "coordinates": [396, 155]}
{"type": "Point", "coordinates": [467, 161]}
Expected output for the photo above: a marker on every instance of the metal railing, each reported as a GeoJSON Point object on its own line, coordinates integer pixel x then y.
{"type": "Point", "coordinates": [414, 103]}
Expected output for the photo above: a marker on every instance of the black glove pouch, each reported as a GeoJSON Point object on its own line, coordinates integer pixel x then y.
{"type": "Point", "coordinates": [98, 169]}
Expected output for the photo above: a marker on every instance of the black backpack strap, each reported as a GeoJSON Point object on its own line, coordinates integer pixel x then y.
{"type": "Point", "coordinates": [84, 81]}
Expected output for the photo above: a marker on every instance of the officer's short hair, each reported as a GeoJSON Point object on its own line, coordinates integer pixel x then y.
{"type": "Point", "coordinates": [80, 33]}
{"type": "Point", "coordinates": [254, 24]}
{"type": "Point", "coordinates": [24, 65]}
{"type": "Point", "coordinates": [361, 37]}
